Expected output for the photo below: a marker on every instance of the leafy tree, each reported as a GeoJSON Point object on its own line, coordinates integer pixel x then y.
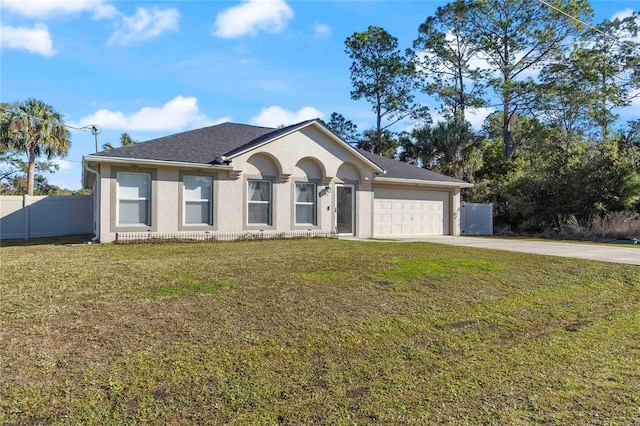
{"type": "Point", "coordinates": [418, 147]}
{"type": "Point", "coordinates": [383, 76]}
{"type": "Point", "coordinates": [448, 147]}
{"type": "Point", "coordinates": [630, 136]}
{"type": "Point", "coordinates": [345, 129]}
{"type": "Point", "coordinates": [562, 99]}
{"type": "Point", "coordinates": [34, 128]}
{"type": "Point", "coordinates": [9, 163]}
{"type": "Point", "coordinates": [13, 174]}
{"type": "Point", "coordinates": [583, 88]}
{"type": "Point", "coordinates": [125, 140]}
{"type": "Point", "coordinates": [443, 54]}
{"type": "Point", "coordinates": [385, 144]}
{"type": "Point", "coordinates": [515, 36]}
{"type": "Point", "coordinates": [609, 69]}
{"type": "Point", "coordinates": [18, 186]}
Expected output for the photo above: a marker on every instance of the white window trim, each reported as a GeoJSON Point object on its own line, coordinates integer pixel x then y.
{"type": "Point", "coordinates": [269, 203]}
{"type": "Point", "coordinates": [184, 204]}
{"type": "Point", "coordinates": [118, 199]}
{"type": "Point", "coordinates": [313, 203]}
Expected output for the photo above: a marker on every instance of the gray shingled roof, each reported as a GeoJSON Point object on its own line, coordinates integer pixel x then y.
{"type": "Point", "coordinates": [205, 145]}
{"type": "Point", "coordinates": [400, 170]}
{"type": "Point", "coordinates": [195, 146]}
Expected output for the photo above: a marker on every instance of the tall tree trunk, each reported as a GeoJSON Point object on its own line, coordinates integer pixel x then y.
{"type": "Point", "coordinates": [462, 98]}
{"type": "Point", "coordinates": [604, 131]}
{"type": "Point", "coordinates": [379, 128]}
{"type": "Point", "coordinates": [506, 94]}
{"type": "Point", "coordinates": [31, 172]}
{"type": "Point", "coordinates": [506, 131]}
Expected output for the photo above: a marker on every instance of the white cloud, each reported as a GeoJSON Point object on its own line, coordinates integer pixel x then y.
{"type": "Point", "coordinates": [34, 40]}
{"type": "Point", "coordinates": [146, 24]}
{"type": "Point", "coordinates": [178, 114]}
{"type": "Point", "coordinates": [635, 98]}
{"type": "Point", "coordinates": [482, 63]}
{"type": "Point", "coordinates": [48, 8]}
{"type": "Point", "coordinates": [251, 17]}
{"type": "Point", "coordinates": [622, 14]}
{"type": "Point", "coordinates": [274, 116]}
{"type": "Point", "coordinates": [477, 116]}
{"type": "Point", "coordinates": [625, 14]}
{"type": "Point", "coordinates": [105, 11]}
{"type": "Point", "coordinates": [322, 30]}
{"type": "Point", "coordinates": [62, 164]}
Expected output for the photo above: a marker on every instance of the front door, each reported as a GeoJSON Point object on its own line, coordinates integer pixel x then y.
{"type": "Point", "coordinates": [345, 209]}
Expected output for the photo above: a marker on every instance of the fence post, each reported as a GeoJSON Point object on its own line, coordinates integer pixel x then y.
{"type": "Point", "coordinates": [491, 219]}
{"type": "Point", "coordinates": [25, 209]}
{"type": "Point", "coordinates": [463, 218]}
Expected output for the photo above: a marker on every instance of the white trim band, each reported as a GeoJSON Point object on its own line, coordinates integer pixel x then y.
{"type": "Point", "coordinates": [422, 182]}
{"type": "Point", "coordinates": [118, 160]}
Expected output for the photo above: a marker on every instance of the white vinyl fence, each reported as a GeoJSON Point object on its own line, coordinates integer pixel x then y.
{"type": "Point", "coordinates": [47, 216]}
{"type": "Point", "coordinates": [476, 219]}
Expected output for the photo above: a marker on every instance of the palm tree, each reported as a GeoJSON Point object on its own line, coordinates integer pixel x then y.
{"type": "Point", "coordinates": [34, 128]}
{"type": "Point", "coordinates": [125, 140]}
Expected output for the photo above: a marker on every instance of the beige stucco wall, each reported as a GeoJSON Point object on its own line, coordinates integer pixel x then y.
{"type": "Point", "coordinates": [307, 155]}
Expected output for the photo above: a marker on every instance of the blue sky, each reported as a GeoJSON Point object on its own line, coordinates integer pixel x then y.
{"type": "Point", "coordinates": [157, 68]}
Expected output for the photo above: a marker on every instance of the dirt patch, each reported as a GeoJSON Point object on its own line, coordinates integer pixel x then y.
{"type": "Point", "coordinates": [462, 324]}
{"type": "Point", "coordinates": [160, 394]}
{"type": "Point", "coordinates": [358, 392]}
{"type": "Point", "coordinates": [472, 325]}
{"type": "Point", "coordinates": [576, 326]}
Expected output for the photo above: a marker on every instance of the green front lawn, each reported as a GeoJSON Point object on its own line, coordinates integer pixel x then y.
{"type": "Point", "coordinates": [315, 331]}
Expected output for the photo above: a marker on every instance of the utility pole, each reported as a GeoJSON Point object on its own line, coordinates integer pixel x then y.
{"type": "Point", "coordinates": [95, 131]}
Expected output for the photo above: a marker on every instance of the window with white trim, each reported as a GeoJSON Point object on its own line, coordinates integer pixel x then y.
{"type": "Point", "coordinates": [259, 202]}
{"type": "Point", "coordinates": [134, 199]}
{"type": "Point", "coordinates": [306, 204]}
{"type": "Point", "coordinates": [197, 200]}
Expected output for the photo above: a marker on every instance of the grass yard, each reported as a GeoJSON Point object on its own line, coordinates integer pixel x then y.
{"type": "Point", "coordinates": [315, 331]}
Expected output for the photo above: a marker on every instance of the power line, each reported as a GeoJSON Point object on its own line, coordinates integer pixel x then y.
{"type": "Point", "coordinates": [88, 128]}
{"type": "Point", "coordinates": [587, 24]}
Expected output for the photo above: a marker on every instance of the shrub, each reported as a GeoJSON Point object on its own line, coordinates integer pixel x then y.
{"type": "Point", "coordinates": [615, 225]}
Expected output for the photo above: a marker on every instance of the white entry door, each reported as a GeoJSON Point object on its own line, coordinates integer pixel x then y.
{"type": "Point", "coordinates": [345, 209]}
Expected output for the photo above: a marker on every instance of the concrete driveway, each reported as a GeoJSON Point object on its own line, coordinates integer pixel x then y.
{"type": "Point", "coordinates": [603, 252]}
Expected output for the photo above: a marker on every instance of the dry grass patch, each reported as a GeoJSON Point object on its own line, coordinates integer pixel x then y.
{"type": "Point", "coordinates": [320, 331]}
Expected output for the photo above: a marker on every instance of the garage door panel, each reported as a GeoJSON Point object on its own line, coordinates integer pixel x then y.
{"type": "Point", "coordinates": [405, 213]}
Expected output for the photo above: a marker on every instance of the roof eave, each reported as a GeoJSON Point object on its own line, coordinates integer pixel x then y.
{"type": "Point", "coordinates": [145, 161]}
{"type": "Point", "coordinates": [421, 182]}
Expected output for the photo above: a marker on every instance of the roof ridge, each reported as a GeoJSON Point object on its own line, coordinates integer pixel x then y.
{"type": "Point", "coordinates": [246, 125]}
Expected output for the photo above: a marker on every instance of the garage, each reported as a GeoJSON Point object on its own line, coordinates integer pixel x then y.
{"type": "Point", "coordinates": [410, 212]}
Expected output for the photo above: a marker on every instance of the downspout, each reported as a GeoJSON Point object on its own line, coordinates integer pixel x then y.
{"type": "Point", "coordinates": [96, 203]}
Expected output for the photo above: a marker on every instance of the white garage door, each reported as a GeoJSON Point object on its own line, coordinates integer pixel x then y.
{"type": "Point", "coordinates": [406, 213]}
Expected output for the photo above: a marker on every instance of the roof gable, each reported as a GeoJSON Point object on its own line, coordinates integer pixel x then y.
{"type": "Point", "coordinates": [279, 133]}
